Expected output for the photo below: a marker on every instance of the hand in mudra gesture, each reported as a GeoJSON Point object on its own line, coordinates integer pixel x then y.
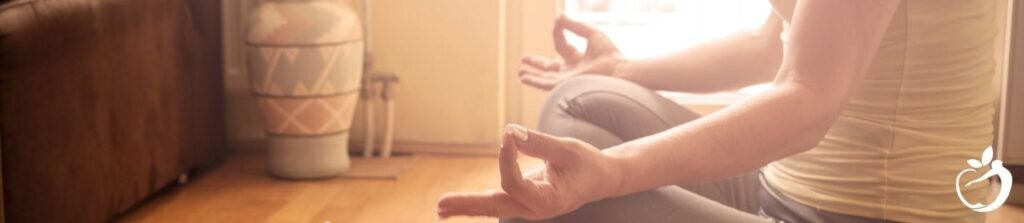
{"type": "Point", "coordinates": [601, 57]}
{"type": "Point", "coordinates": [574, 174]}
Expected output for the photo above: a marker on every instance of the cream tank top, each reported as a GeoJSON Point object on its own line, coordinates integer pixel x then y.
{"type": "Point", "coordinates": [923, 109]}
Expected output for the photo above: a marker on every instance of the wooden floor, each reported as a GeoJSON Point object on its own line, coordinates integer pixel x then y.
{"type": "Point", "coordinates": [240, 191]}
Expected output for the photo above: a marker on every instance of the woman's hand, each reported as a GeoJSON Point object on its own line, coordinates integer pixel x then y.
{"type": "Point", "coordinates": [575, 173]}
{"type": "Point", "coordinates": [601, 57]}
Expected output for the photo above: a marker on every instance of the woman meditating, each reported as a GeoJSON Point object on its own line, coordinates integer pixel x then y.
{"type": "Point", "coordinates": [875, 107]}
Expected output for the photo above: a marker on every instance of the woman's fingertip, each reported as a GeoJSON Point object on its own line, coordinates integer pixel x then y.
{"type": "Point", "coordinates": [507, 132]}
{"type": "Point", "coordinates": [518, 132]}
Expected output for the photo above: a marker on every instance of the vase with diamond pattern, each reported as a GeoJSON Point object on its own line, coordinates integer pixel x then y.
{"type": "Point", "coordinates": [305, 60]}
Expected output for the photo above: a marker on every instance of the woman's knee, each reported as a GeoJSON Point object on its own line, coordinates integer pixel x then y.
{"type": "Point", "coordinates": [564, 101]}
{"type": "Point", "coordinates": [583, 84]}
{"type": "Point", "coordinates": [622, 107]}
{"type": "Point", "coordinates": [565, 96]}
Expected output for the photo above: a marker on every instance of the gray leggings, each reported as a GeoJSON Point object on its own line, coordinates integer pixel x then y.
{"type": "Point", "coordinates": [605, 111]}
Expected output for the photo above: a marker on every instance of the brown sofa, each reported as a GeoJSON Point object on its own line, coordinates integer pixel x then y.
{"type": "Point", "coordinates": [104, 102]}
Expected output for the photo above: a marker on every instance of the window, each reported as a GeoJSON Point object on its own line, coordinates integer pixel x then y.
{"type": "Point", "coordinates": [646, 28]}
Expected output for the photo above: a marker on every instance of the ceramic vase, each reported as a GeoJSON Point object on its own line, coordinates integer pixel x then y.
{"type": "Point", "coordinates": [305, 60]}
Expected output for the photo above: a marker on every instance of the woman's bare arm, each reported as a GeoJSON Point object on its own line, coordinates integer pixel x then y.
{"type": "Point", "coordinates": [735, 61]}
{"type": "Point", "coordinates": [833, 43]}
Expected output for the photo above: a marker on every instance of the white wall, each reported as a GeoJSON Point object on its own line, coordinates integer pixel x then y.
{"type": "Point", "coordinates": [449, 55]}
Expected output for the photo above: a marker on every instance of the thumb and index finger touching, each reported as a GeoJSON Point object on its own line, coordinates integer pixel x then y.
{"type": "Point", "coordinates": [546, 74]}
{"type": "Point", "coordinates": [532, 143]}
{"type": "Point", "coordinates": [568, 52]}
{"type": "Point", "coordinates": [518, 191]}
{"type": "Point", "coordinates": [536, 144]}
{"type": "Point", "coordinates": [517, 139]}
